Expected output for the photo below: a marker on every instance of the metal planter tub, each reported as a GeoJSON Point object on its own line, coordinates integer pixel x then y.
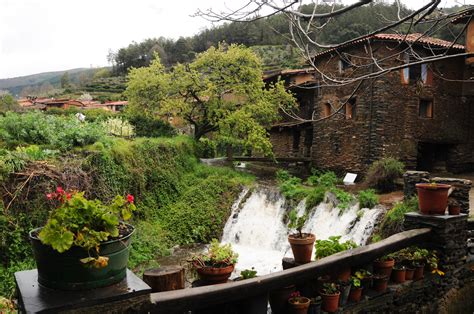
{"type": "Point", "coordinates": [65, 271]}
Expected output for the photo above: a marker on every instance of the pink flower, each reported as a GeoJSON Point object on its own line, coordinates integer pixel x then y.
{"type": "Point", "coordinates": [60, 190]}
{"type": "Point", "coordinates": [49, 196]}
{"type": "Point", "coordinates": [130, 198]}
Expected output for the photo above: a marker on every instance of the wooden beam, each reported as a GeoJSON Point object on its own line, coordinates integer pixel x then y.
{"type": "Point", "coordinates": [278, 159]}
{"type": "Point", "coordinates": [195, 298]}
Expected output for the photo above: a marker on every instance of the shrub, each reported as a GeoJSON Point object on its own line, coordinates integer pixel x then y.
{"type": "Point", "coordinates": [37, 128]}
{"type": "Point", "coordinates": [324, 248]}
{"type": "Point", "coordinates": [394, 218]}
{"type": "Point", "coordinates": [383, 173]}
{"type": "Point", "coordinates": [148, 127]}
{"type": "Point", "coordinates": [326, 179]}
{"type": "Point", "coordinates": [315, 197]}
{"type": "Point", "coordinates": [206, 148]}
{"type": "Point", "coordinates": [282, 175]}
{"type": "Point", "coordinates": [118, 127]}
{"type": "Point", "coordinates": [368, 198]}
{"type": "Point", "coordinates": [345, 199]}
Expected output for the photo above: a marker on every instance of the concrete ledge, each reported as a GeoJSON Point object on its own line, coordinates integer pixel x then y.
{"type": "Point", "coordinates": [118, 298]}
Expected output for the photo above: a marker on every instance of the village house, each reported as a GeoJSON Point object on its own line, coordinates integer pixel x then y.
{"type": "Point", "coordinates": [65, 103]}
{"type": "Point", "coordinates": [420, 114]}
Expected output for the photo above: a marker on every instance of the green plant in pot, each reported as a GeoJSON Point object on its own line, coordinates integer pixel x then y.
{"type": "Point", "coordinates": [332, 246]}
{"type": "Point", "coordinates": [365, 278]}
{"type": "Point", "coordinates": [217, 264]}
{"type": "Point", "coordinates": [248, 273]}
{"type": "Point", "coordinates": [356, 289]}
{"type": "Point", "coordinates": [85, 244]}
{"type": "Point", "coordinates": [330, 297]}
{"type": "Point", "coordinates": [298, 304]}
{"type": "Point", "coordinates": [384, 265]}
{"type": "Point", "coordinates": [301, 243]}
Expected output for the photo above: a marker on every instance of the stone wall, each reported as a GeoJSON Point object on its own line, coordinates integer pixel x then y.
{"type": "Point", "coordinates": [434, 293]}
{"type": "Point", "coordinates": [460, 192]}
{"type": "Point", "coordinates": [387, 122]}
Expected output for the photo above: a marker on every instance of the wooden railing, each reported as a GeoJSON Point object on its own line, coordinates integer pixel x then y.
{"type": "Point", "coordinates": [203, 297]}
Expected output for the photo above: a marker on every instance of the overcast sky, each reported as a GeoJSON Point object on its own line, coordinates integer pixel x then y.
{"type": "Point", "coordinates": [52, 35]}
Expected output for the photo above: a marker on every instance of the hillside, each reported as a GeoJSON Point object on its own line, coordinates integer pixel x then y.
{"type": "Point", "coordinates": [46, 80]}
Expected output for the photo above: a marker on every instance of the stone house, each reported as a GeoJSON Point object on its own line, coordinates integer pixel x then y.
{"type": "Point", "coordinates": [420, 114]}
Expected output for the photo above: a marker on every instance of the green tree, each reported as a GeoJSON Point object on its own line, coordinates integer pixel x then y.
{"type": "Point", "coordinates": [221, 91]}
{"type": "Point", "coordinates": [8, 103]}
{"type": "Point", "coordinates": [65, 80]}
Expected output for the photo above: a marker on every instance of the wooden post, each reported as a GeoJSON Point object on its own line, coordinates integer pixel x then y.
{"type": "Point", "coordinates": [165, 278]}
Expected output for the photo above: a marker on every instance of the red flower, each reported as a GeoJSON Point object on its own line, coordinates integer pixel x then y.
{"type": "Point", "coordinates": [60, 190]}
{"type": "Point", "coordinates": [49, 196]}
{"type": "Point", "coordinates": [68, 196]}
{"type": "Point", "coordinates": [130, 198]}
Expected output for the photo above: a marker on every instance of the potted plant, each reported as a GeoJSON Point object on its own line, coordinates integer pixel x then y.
{"type": "Point", "coordinates": [332, 246]}
{"type": "Point", "coordinates": [365, 278]}
{"type": "Point", "coordinates": [398, 273]}
{"type": "Point", "coordinates": [85, 244]}
{"type": "Point", "coordinates": [217, 264]}
{"type": "Point", "coordinates": [432, 198]}
{"type": "Point", "coordinates": [419, 260]}
{"type": "Point", "coordinates": [298, 304]}
{"type": "Point", "coordinates": [301, 243]}
{"type": "Point", "coordinates": [453, 207]}
{"type": "Point", "coordinates": [315, 305]}
{"type": "Point", "coordinates": [356, 289]}
{"type": "Point", "coordinates": [330, 297]}
{"type": "Point", "coordinates": [380, 282]}
{"type": "Point", "coordinates": [384, 265]}
{"type": "Point", "coordinates": [248, 273]}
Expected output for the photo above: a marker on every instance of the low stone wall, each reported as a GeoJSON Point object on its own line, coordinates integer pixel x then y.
{"type": "Point", "coordinates": [460, 192]}
{"type": "Point", "coordinates": [434, 293]}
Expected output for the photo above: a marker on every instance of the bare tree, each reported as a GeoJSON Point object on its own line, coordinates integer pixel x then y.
{"type": "Point", "coordinates": [307, 20]}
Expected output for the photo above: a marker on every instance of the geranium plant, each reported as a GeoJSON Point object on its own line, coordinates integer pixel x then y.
{"type": "Point", "coordinates": [77, 221]}
{"type": "Point", "coordinates": [296, 298]}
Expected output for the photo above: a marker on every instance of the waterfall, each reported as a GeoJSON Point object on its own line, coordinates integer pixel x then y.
{"type": "Point", "coordinates": [257, 231]}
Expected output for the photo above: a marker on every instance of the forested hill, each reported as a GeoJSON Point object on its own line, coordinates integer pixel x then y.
{"type": "Point", "coordinates": [267, 37]}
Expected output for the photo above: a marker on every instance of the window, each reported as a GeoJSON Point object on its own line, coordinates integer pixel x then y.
{"type": "Point", "coordinates": [296, 139]}
{"type": "Point", "coordinates": [350, 108]}
{"type": "Point", "coordinates": [344, 64]}
{"type": "Point", "coordinates": [327, 110]}
{"type": "Point", "coordinates": [415, 73]}
{"type": "Point", "coordinates": [426, 108]}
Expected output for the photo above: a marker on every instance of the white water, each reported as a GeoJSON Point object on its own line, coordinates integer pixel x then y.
{"type": "Point", "coordinates": [257, 232]}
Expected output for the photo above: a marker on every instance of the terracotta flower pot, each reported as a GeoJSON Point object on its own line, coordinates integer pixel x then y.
{"type": "Point", "coordinates": [330, 302]}
{"type": "Point", "coordinates": [355, 294]}
{"type": "Point", "coordinates": [279, 299]}
{"type": "Point", "coordinates": [366, 283]}
{"type": "Point", "coordinates": [398, 275]}
{"type": "Point", "coordinates": [214, 275]}
{"type": "Point", "coordinates": [383, 267]}
{"type": "Point", "coordinates": [409, 272]}
{"type": "Point", "coordinates": [419, 271]}
{"type": "Point", "coordinates": [342, 275]}
{"type": "Point", "coordinates": [302, 247]}
{"type": "Point", "coordinates": [380, 283]}
{"type": "Point", "coordinates": [299, 305]}
{"type": "Point", "coordinates": [432, 198]}
{"type": "Point", "coordinates": [454, 210]}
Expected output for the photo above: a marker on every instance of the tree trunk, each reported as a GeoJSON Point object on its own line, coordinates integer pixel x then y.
{"type": "Point", "coordinates": [230, 153]}
{"type": "Point", "coordinates": [165, 278]}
